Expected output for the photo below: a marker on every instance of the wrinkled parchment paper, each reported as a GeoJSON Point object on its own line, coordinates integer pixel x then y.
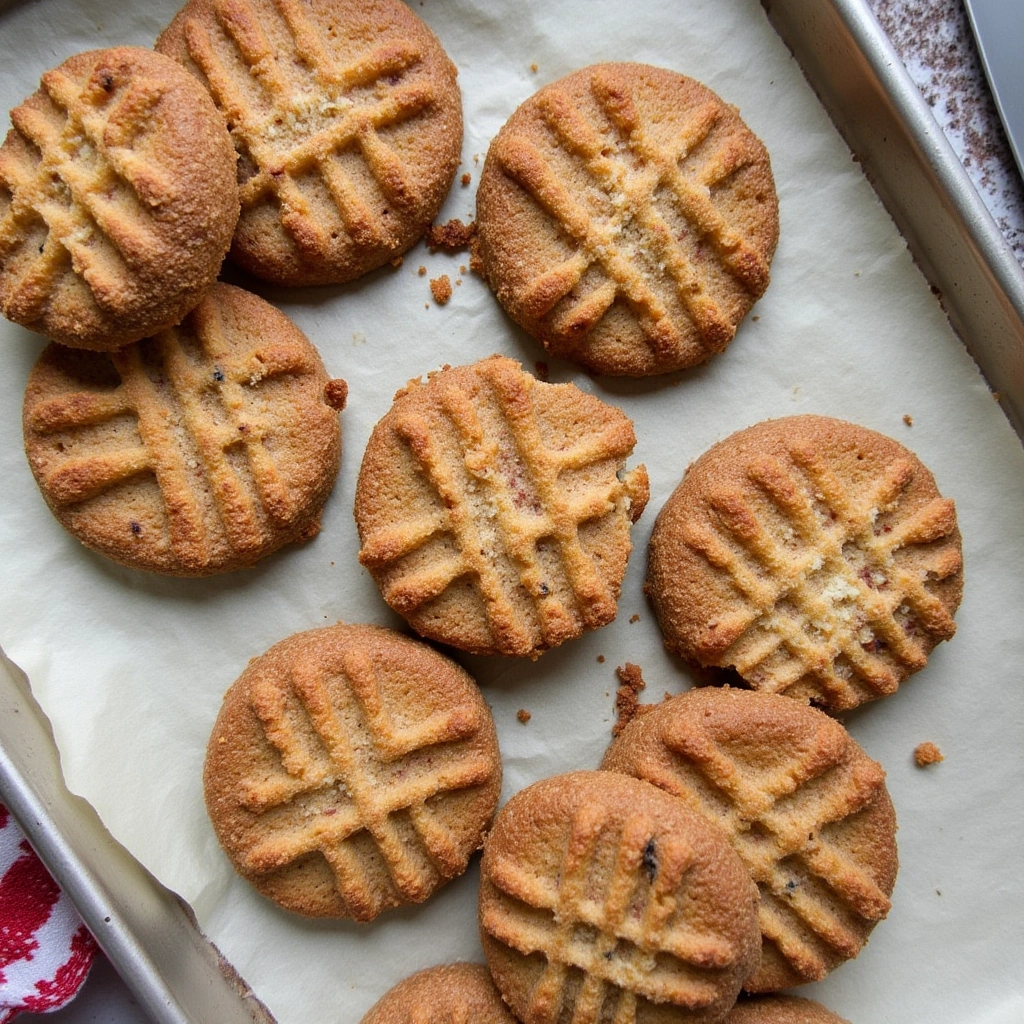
{"type": "Point", "coordinates": [131, 668]}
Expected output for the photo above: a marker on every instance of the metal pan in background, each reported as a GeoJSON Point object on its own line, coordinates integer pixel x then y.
{"type": "Point", "coordinates": [146, 931]}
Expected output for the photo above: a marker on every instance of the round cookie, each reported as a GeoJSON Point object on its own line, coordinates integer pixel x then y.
{"type": "Point", "coordinates": [603, 898]}
{"type": "Point", "coordinates": [117, 199]}
{"type": "Point", "coordinates": [351, 770]}
{"type": "Point", "coordinates": [494, 510]}
{"type": "Point", "coordinates": [805, 808]}
{"type": "Point", "coordinates": [781, 1010]}
{"type": "Point", "coordinates": [347, 119]}
{"type": "Point", "coordinates": [194, 452]}
{"type": "Point", "coordinates": [627, 218]}
{"type": "Point", "coordinates": [442, 995]}
{"type": "Point", "coordinates": [813, 556]}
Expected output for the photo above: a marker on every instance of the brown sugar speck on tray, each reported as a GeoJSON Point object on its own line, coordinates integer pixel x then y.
{"type": "Point", "coordinates": [926, 754]}
{"type": "Point", "coordinates": [441, 289]}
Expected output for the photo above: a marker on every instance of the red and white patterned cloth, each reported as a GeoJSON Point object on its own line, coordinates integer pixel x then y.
{"type": "Point", "coordinates": [45, 950]}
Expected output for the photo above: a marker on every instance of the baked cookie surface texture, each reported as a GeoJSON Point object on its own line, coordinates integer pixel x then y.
{"type": "Point", "coordinates": [627, 218]}
{"type": "Point", "coordinates": [348, 124]}
{"type": "Point", "coordinates": [813, 556]}
{"type": "Point", "coordinates": [351, 770]}
{"type": "Point", "coordinates": [494, 510]}
{"type": "Point", "coordinates": [194, 452]}
{"type": "Point", "coordinates": [449, 994]}
{"type": "Point", "coordinates": [603, 898]}
{"type": "Point", "coordinates": [117, 199]}
{"type": "Point", "coordinates": [805, 808]}
{"type": "Point", "coordinates": [782, 1010]}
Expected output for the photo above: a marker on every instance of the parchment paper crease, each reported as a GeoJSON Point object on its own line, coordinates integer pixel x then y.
{"type": "Point", "coordinates": [131, 668]}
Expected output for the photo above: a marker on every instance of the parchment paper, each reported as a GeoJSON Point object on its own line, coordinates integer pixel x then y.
{"type": "Point", "coordinates": [131, 668]}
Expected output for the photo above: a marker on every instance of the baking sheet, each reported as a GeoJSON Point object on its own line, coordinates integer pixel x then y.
{"type": "Point", "coordinates": [131, 668]}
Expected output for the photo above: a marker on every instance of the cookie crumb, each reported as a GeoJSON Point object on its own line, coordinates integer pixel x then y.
{"type": "Point", "coordinates": [523, 715]}
{"type": "Point", "coordinates": [533, 68]}
{"type": "Point", "coordinates": [908, 419]}
{"type": "Point", "coordinates": [600, 659]}
{"type": "Point", "coordinates": [441, 289]}
{"type": "Point", "coordinates": [926, 754]}
{"type": "Point", "coordinates": [462, 268]}
{"type": "Point", "coordinates": [336, 393]}
{"type": "Point", "coordinates": [450, 237]}
{"type": "Point", "coordinates": [466, 179]}
{"type": "Point", "coordinates": [422, 271]}
{"type": "Point", "coordinates": [542, 369]}
{"type": "Point", "coordinates": [627, 697]}
{"type": "Point", "coordinates": [397, 261]}
{"type": "Point", "coordinates": [634, 618]}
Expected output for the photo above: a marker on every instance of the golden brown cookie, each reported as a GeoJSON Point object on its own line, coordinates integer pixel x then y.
{"type": "Point", "coordinates": [805, 808]}
{"type": "Point", "coordinates": [117, 199]}
{"type": "Point", "coordinates": [351, 770]}
{"type": "Point", "coordinates": [494, 510]}
{"type": "Point", "coordinates": [627, 218]}
{"type": "Point", "coordinates": [193, 452]}
{"type": "Point", "coordinates": [813, 556]}
{"type": "Point", "coordinates": [781, 1010]}
{"type": "Point", "coordinates": [604, 899]}
{"type": "Point", "coordinates": [450, 994]}
{"type": "Point", "coordinates": [348, 123]}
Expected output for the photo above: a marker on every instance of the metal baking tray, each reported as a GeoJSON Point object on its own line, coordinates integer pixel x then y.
{"type": "Point", "coordinates": [148, 933]}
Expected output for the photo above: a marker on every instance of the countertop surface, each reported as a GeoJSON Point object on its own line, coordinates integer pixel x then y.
{"type": "Point", "coordinates": [934, 40]}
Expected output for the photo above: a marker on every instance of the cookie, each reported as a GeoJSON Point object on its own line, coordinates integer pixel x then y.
{"type": "Point", "coordinates": [450, 994]}
{"type": "Point", "coordinates": [813, 556]}
{"type": "Point", "coordinates": [117, 200]}
{"type": "Point", "coordinates": [805, 808]}
{"type": "Point", "coordinates": [627, 218]}
{"type": "Point", "coordinates": [494, 510]}
{"type": "Point", "coordinates": [348, 124]}
{"type": "Point", "coordinates": [781, 1010]}
{"type": "Point", "coordinates": [351, 770]}
{"type": "Point", "coordinates": [196, 451]}
{"type": "Point", "coordinates": [603, 898]}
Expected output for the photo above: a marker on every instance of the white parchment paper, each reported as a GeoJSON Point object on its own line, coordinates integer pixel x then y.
{"type": "Point", "coordinates": [131, 668]}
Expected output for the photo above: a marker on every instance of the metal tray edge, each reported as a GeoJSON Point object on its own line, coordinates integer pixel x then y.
{"type": "Point", "coordinates": [850, 63]}
{"type": "Point", "coordinates": [148, 932]}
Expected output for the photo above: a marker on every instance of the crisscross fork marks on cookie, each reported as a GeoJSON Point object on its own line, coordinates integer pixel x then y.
{"type": "Point", "coordinates": [325, 757]}
{"type": "Point", "coordinates": [623, 933]}
{"type": "Point", "coordinates": [817, 900]}
{"type": "Point", "coordinates": [526, 506]}
{"type": "Point", "coordinates": [181, 444]}
{"type": "Point", "coordinates": [284, 148]}
{"type": "Point", "coordinates": [632, 194]}
{"type": "Point", "coordinates": [79, 176]}
{"type": "Point", "coordinates": [855, 610]}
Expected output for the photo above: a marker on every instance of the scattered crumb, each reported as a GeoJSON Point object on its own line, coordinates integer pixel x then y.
{"type": "Point", "coordinates": [441, 289]}
{"type": "Point", "coordinates": [856, 273]}
{"type": "Point", "coordinates": [450, 237]}
{"type": "Point", "coordinates": [466, 179]}
{"type": "Point", "coordinates": [908, 419]}
{"type": "Point", "coordinates": [757, 316]}
{"type": "Point", "coordinates": [458, 281]}
{"type": "Point", "coordinates": [462, 268]}
{"type": "Point", "coordinates": [926, 754]}
{"type": "Point", "coordinates": [997, 395]}
{"type": "Point", "coordinates": [533, 68]}
{"type": "Point", "coordinates": [336, 393]}
{"type": "Point", "coordinates": [600, 658]}
{"type": "Point", "coordinates": [542, 369]}
{"type": "Point", "coordinates": [426, 305]}
{"type": "Point", "coordinates": [523, 715]}
{"type": "Point", "coordinates": [627, 697]}
{"type": "Point", "coordinates": [634, 618]}
{"type": "Point", "coordinates": [398, 261]}
{"type": "Point", "coordinates": [476, 158]}
{"type": "Point", "coordinates": [938, 892]}
{"type": "Point", "coordinates": [422, 271]}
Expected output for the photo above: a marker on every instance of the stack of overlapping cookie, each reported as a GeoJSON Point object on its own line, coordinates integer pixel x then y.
{"type": "Point", "coordinates": [733, 840]}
